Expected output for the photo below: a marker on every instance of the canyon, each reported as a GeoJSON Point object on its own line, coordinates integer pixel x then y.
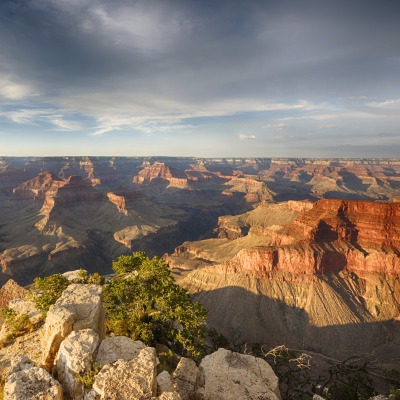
{"type": "Point", "coordinates": [59, 213]}
{"type": "Point", "coordinates": [302, 252]}
{"type": "Point", "coordinates": [321, 276]}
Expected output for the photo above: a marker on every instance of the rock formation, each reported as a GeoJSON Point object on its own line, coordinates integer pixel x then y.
{"type": "Point", "coordinates": [126, 370]}
{"type": "Point", "coordinates": [10, 291]}
{"type": "Point", "coordinates": [315, 276]}
{"type": "Point", "coordinates": [231, 376]}
{"type": "Point", "coordinates": [26, 381]}
{"type": "Point", "coordinates": [161, 172]}
{"type": "Point", "coordinates": [79, 307]}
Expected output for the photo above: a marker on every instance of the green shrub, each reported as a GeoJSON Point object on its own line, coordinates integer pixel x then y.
{"type": "Point", "coordinates": [46, 291]}
{"type": "Point", "coordinates": [87, 379]}
{"type": "Point", "coordinates": [148, 305]}
{"type": "Point", "coordinates": [96, 279]}
{"type": "Point", "coordinates": [16, 325]}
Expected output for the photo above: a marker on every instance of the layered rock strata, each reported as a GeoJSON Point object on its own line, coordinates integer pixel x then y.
{"type": "Point", "coordinates": [316, 276]}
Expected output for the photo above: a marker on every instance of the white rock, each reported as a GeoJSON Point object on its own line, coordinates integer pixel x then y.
{"type": "Point", "coordinates": [30, 382]}
{"type": "Point", "coordinates": [128, 380]}
{"type": "Point", "coordinates": [230, 376]}
{"type": "Point", "coordinates": [79, 307]}
{"type": "Point", "coordinates": [75, 357]}
{"type": "Point", "coordinates": [164, 382]}
{"type": "Point", "coordinates": [21, 306]}
{"type": "Point", "coordinates": [117, 348]}
{"type": "Point", "coordinates": [74, 276]}
{"type": "Point", "coordinates": [185, 378]}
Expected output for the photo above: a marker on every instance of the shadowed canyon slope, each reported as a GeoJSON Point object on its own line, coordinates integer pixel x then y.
{"type": "Point", "coordinates": [322, 276]}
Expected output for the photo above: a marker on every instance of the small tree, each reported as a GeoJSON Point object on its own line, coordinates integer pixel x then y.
{"type": "Point", "coordinates": [144, 302]}
{"type": "Point", "coordinates": [47, 290]}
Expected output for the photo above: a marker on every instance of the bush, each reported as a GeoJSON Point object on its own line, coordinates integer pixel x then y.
{"type": "Point", "coordinates": [47, 290]}
{"type": "Point", "coordinates": [87, 379]}
{"type": "Point", "coordinates": [16, 325]}
{"type": "Point", "coordinates": [144, 303]}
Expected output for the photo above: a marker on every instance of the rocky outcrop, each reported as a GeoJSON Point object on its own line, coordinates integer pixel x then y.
{"type": "Point", "coordinates": [79, 307]}
{"type": "Point", "coordinates": [161, 172]}
{"type": "Point", "coordinates": [38, 187]}
{"type": "Point", "coordinates": [253, 190]}
{"type": "Point", "coordinates": [185, 378]}
{"type": "Point", "coordinates": [75, 357]}
{"type": "Point", "coordinates": [121, 368]}
{"type": "Point", "coordinates": [128, 380]}
{"type": "Point", "coordinates": [71, 191]}
{"type": "Point", "coordinates": [122, 199]}
{"type": "Point", "coordinates": [117, 348]}
{"type": "Point", "coordinates": [27, 381]}
{"type": "Point", "coordinates": [118, 201]}
{"type": "Point", "coordinates": [10, 291]}
{"type": "Point", "coordinates": [230, 376]}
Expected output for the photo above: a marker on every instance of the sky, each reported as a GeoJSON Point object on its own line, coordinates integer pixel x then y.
{"type": "Point", "coordinates": [267, 78]}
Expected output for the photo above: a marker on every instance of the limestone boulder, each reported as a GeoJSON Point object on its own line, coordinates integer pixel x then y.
{"type": "Point", "coordinates": [226, 375]}
{"type": "Point", "coordinates": [185, 378]}
{"type": "Point", "coordinates": [165, 387]}
{"type": "Point", "coordinates": [75, 357]}
{"type": "Point", "coordinates": [164, 382]}
{"type": "Point", "coordinates": [79, 307]}
{"type": "Point", "coordinates": [128, 380]}
{"type": "Point", "coordinates": [27, 381]}
{"type": "Point", "coordinates": [75, 276]}
{"type": "Point", "coordinates": [21, 306]}
{"type": "Point", "coordinates": [118, 348]}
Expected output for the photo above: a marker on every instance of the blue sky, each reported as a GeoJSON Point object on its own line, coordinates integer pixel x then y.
{"type": "Point", "coordinates": [299, 78]}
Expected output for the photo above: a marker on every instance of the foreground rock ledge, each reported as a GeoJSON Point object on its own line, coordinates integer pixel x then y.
{"type": "Point", "coordinates": [27, 381]}
{"type": "Point", "coordinates": [79, 307]}
{"type": "Point", "coordinates": [231, 376]}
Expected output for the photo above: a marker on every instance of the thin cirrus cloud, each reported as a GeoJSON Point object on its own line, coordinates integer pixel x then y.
{"type": "Point", "coordinates": [199, 72]}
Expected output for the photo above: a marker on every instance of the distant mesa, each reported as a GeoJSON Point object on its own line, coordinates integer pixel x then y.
{"type": "Point", "coordinates": [37, 187]}
{"type": "Point", "coordinates": [254, 191]}
{"type": "Point", "coordinates": [159, 172]}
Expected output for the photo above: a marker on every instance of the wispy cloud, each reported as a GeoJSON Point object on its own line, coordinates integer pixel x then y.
{"type": "Point", "coordinates": [279, 126]}
{"type": "Point", "coordinates": [243, 136]}
{"type": "Point", "coordinates": [13, 90]}
{"type": "Point", "coordinates": [65, 125]}
{"type": "Point", "coordinates": [42, 116]}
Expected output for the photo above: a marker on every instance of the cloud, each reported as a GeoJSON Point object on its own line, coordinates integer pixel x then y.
{"type": "Point", "coordinates": [12, 90]}
{"type": "Point", "coordinates": [170, 65]}
{"type": "Point", "coordinates": [329, 126]}
{"type": "Point", "coordinates": [147, 125]}
{"type": "Point", "coordinates": [65, 125]}
{"type": "Point", "coordinates": [243, 136]}
{"type": "Point", "coordinates": [40, 117]}
{"type": "Point", "coordinates": [279, 126]}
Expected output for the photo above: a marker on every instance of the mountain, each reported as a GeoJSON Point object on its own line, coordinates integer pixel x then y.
{"type": "Point", "coordinates": [320, 276]}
